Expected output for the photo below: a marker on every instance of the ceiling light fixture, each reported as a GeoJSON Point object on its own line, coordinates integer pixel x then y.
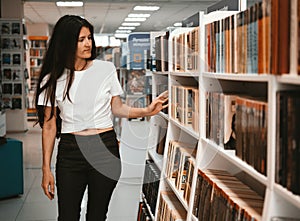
{"type": "Point", "coordinates": [123, 31]}
{"type": "Point", "coordinates": [138, 15]}
{"type": "Point", "coordinates": [131, 24]}
{"type": "Point", "coordinates": [126, 28]}
{"type": "Point", "coordinates": [177, 24]}
{"type": "Point", "coordinates": [135, 19]}
{"type": "Point", "coordinates": [145, 8]}
{"type": "Point", "coordinates": [121, 35]}
{"type": "Point", "coordinates": [69, 4]}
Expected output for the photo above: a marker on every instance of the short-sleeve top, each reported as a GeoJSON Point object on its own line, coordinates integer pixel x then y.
{"type": "Point", "coordinates": [90, 95]}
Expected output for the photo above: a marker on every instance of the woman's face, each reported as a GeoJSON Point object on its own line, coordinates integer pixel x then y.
{"type": "Point", "coordinates": [84, 44]}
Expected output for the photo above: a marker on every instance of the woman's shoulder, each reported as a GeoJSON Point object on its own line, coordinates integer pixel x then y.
{"type": "Point", "coordinates": [103, 64]}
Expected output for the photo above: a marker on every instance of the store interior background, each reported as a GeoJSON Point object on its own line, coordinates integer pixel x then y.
{"type": "Point", "coordinates": [107, 17]}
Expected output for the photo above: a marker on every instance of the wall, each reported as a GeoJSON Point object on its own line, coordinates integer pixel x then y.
{"type": "Point", "coordinates": [12, 9]}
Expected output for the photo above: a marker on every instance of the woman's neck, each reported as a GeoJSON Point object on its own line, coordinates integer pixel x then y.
{"type": "Point", "coordinates": [80, 65]}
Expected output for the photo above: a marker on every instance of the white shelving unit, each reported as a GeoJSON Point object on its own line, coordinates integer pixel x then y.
{"type": "Point", "coordinates": [278, 201]}
{"type": "Point", "coordinates": [13, 66]}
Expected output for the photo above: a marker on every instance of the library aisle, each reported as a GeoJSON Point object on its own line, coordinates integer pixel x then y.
{"type": "Point", "coordinates": [33, 205]}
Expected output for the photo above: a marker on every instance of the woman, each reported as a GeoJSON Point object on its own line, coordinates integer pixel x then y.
{"type": "Point", "coordinates": [75, 99]}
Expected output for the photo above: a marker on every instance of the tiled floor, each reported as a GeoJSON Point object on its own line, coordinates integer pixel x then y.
{"type": "Point", "coordinates": [33, 205]}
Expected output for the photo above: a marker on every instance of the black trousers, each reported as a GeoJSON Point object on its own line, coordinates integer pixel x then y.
{"type": "Point", "coordinates": [91, 162]}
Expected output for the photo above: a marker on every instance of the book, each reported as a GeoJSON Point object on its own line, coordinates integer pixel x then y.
{"type": "Point", "coordinates": [16, 28]}
{"type": "Point", "coordinates": [263, 38]}
{"type": "Point", "coordinates": [5, 28]}
{"type": "Point", "coordinates": [170, 208]}
{"type": "Point", "coordinates": [287, 141]}
{"type": "Point", "coordinates": [161, 139]}
{"type": "Point", "coordinates": [221, 196]}
{"type": "Point", "coordinates": [150, 185]}
{"type": "Point", "coordinates": [16, 103]}
{"type": "Point", "coordinates": [189, 178]}
{"type": "Point", "coordinates": [195, 109]}
{"type": "Point", "coordinates": [227, 121]}
{"type": "Point", "coordinates": [298, 40]}
{"type": "Point", "coordinates": [135, 81]}
{"type": "Point", "coordinates": [180, 180]}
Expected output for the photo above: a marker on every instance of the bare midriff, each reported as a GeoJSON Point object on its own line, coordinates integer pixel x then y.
{"type": "Point", "coordinates": [92, 131]}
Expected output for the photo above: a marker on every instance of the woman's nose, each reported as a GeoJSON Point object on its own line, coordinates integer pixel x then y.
{"type": "Point", "coordinates": [87, 42]}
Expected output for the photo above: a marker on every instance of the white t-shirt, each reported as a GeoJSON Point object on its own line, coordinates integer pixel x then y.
{"type": "Point", "coordinates": [90, 94]}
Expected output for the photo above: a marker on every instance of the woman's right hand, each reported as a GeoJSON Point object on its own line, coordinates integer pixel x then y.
{"type": "Point", "coordinates": [48, 184]}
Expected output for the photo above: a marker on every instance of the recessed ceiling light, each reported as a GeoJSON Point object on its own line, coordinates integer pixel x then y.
{"type": "Point", "coordinates": [121, 35]}
{"type": "Point", "coordinates": [123, 31]}
{"type": "Point", "coordinates": [69, 4]}
{"type": "Point", "coordinates": [145, 8]}
{"type": "Point", "coordinates": [138, 15]}
{"type": "Point", "coordinates": [177, 24]}
{"type": "Point", "coordinates": [126, 28]}
{"type": "Point", "coordinates": [135, 19]}
{"type": "Point", "coordinates": [131, 24]}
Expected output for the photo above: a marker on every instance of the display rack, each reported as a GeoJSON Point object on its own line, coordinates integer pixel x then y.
{"type": "Point", "coordinates": [273, 198]}
{"type": "Point", "coordinates": [13, 73]}
{"type": "Point", "coordinates": [37, 51]}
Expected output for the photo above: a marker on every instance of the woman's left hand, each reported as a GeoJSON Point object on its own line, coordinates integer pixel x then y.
{"type": "Point", "coordinates": [158, 104]}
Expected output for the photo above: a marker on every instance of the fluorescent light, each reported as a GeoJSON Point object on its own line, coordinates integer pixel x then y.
{"type": "Point", "coordinates": [69, 4]}
{"type": "Point", "coordinates": [138, 15]}
{"type": "Point", "coordinates": [121, 35]}
{"type": "Point", "coordinates": [131, 24]}
{"type": "Point", "coordinates": [135, 19]}
{"type": "Point", "coordinates": [177, 24]}
{"type": "Point", "coordinates": [123, 31]}
{"type": "Point", "coordinates": [126, 28]}
{"type": "Point", "coordinates": [146, 8]}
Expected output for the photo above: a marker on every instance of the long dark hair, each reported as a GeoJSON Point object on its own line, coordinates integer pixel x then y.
{"type": "Point", "coordinates": [59, 56]}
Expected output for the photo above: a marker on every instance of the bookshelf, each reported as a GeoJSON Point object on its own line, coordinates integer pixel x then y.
{"type": "Point", "coordinates": [265, 106]}
{"type": "Point", "coordinates": [37, 51]}
{"type": "Point", "coordinates": [13, 73]}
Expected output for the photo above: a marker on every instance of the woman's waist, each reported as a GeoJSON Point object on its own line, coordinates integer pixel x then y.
{"type": "Point", "coordinates": [86, 128]}
{"type": "Point", "coordinates": [92, 131]}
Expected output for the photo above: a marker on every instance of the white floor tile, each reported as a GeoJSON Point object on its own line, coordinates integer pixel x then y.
{"type": "Point", "coordinates": [38, 211]}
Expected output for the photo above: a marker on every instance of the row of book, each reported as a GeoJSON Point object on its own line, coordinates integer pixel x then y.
{"type": "Point", "coordinates": [178, 166]}
{"type": "Point", "coordinates": [185, 105]}
{"type": "Point", "coordinates": [143, 213]}
{"type": "Point", "coordinates": [221, 196]}
{"type": "Point", "coordinates": [37, 52]}
{"type": "Point", "coordinates": [9, 74]}
{"type": "Point", "coordinates": [38, 43]}
{"type": "Point", "coordinates": [12, 88]}
{"type": "Point", "coordinates": [256, 40]}
{"type": "Point", "coordinates": [161, 52]}
{"type": "Point", "coordinates": [150, 186]}
{"type": "Point", "coordinates": [11, 58]}
{"type": "Point", "coordinates": [288, 141]}
{"type": "Point", "coordinates": [186, 51]}
{"type": "Point", "coordinates": [170, 208]}
{"type": "Point", "coordinates": [11, 43]}
{"type": "Point", "coordinates": [36, 62]}
{"type": "Point", "coordinates": [239, 123]}
{"type": "Point", "coordinates": [8, 28]}
{"type": "Point", "coordinates": [12, 102]}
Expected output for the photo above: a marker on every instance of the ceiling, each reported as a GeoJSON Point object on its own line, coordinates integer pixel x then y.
{"type": "Point", "coordinates": [107, 16]}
